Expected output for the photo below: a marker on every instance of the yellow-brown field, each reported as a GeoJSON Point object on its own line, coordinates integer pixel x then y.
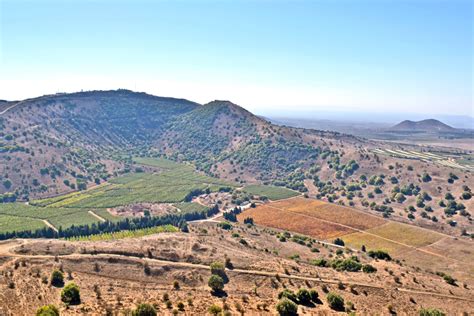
{"type": "Point", "coordinates": [396, 238]}
{"type": "Point", "coordinates": [373, 242]}
{"type": "Point", "coordinates": [330, 212]}
{"type": "Point", "coordinates": [277, 218]}
{"type": "Point", "coordinates": [406, 234]}
{"type": "Point", "coordinates": [312, 217]}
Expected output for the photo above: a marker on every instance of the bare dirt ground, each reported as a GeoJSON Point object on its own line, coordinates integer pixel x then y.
{"type": "Point", "coordinates": [113, 278]}
{"type": "Point", "coordinates": [223, 199]}
{"type": "Point", "coordinates": [138, 209]}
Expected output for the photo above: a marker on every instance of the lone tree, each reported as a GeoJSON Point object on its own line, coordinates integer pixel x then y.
{"type": "Point", "coordinates": [285, 307]}
{"type": "Point", "coordinates": [47, 310]}
{"type": "Point", "coordinates": [71, 294]}
{"type": "Point", "coordinates": [216, 283]}
{"type": "Point", "coordinates": [57, 278]}
{"type": "Point", "coordinates": [144, 310]}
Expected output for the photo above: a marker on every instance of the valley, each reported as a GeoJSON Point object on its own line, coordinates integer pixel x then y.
{"type": "Point", "coordinates": [133, 198]}
{"type": "Point", "coordinates": [224, 158]}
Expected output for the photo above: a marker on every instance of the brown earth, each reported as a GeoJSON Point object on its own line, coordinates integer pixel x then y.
{"type": "Point", "coordinates": [112, 278]}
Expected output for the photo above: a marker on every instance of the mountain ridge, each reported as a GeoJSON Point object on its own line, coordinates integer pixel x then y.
{"type": "Point", "coordinates": [86, 137]}
{"type": "Point", "coordinates": [427, 125]}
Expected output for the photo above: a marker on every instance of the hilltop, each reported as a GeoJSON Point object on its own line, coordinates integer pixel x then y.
{"type": "Point", "coordinates": [429, 125]}
{"type": "Point", "coordinates": [58, 143]}
{"type": "Point", "coordinates": [85, 137]}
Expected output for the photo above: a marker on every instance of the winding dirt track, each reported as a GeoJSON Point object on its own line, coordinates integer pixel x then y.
{"type": "Point", "coordinates": [11, 107]}
{"type": "Point", "coordinates": [6, 250]}
{"type": "Point", "coordinates": [100, 218]}
{"type": "Point", "coordinates": [49, 225]}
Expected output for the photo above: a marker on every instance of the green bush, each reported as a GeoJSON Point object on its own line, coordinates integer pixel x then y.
{"type": "Point", "coordinates": [47, 310]}
{"type": "Point", "coordinates": [431, 312]}
{"type": "Point", "coordinates": [448, 196]}
{"type": "Point", "coordinates": [225, 225]}
{"type": "Point", "coordinates": [335, 301]}
{"type": "Point", "coordinates": [214, 310]}
{"type": "Point", "coordinates": [57, 278]}
{"type": "Point", "coordinates": [400, 198]}
{"type": "Point", "coordinates": [144, 310]}
{"type": "Point", "coordinates": [449, 279]}
{"type": "Point", "coordinates": [320, 262]}
{"type": "Point", "coordinates": [367, 268]}
{"type": "Point", "coordinates": [426, 177]}
{"type": "Point", "coordinates": [339, 242]}
{"type": "Point", "coordinates": [303, 296]}
{"type": "Point", "coordinates": [71, 294]}
{"type": "Point", "coordinates": [285, 307]}
{"type": "Point", "coordinates": [7, 184]}
{"type": "Point", "coordinates": [466, 195]}
{"type": "Point", "coordinates": [349, 264]}
{"type": "Point", "coordinates": [217, 268]}
{"type": "Point", "coordinates": [286, 293]}
{"type": "Point", "coordinates": [379, 254]}
{"type": "Point", "coordinates": [216, 283]}
{"type": "Point", "coordinates": [314, 295]}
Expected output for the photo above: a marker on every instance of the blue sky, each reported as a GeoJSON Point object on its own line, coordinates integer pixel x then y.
{"type": "Point", "coordinates": [385, 55]}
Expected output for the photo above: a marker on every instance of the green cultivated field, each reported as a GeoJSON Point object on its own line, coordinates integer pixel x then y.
{"type": "Point", "coordinates": [190, 207]}
{"type": "Point", "coordinates": [19, 216]}
{"type": "Point", "coordinates": [171, 185]}
{"type": "Point", "coordinates": [14, 223]}
{"type": "Point", "coordinates": [271, 192]}
{"type": "Point", "coordinates": [159, 163]}
{"type": "Point", "coordinates": [102, 212]}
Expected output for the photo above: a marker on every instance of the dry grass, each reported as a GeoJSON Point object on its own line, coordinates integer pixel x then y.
{"type": "Point", "coordinates": [406, 234]}
{"type": "Point", "coordinates": [372, 242]}
{"type": "Point", "coordinates": [457, 249]}
{"type": "Point", "coordinates": [397, 234]}
{"type": "Point", "coordinates": [463, 271]}
{"type": "Point", "coordinates": [184, 257]}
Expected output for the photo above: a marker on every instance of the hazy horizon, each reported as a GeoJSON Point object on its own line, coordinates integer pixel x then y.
{"type": "Point", "coordinates": [302, 56]}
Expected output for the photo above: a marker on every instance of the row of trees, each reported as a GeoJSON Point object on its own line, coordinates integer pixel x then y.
{"type": "Point", "coordinates": [178, 220]}
{"type": "Point", "coordinates": [231, 215]}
